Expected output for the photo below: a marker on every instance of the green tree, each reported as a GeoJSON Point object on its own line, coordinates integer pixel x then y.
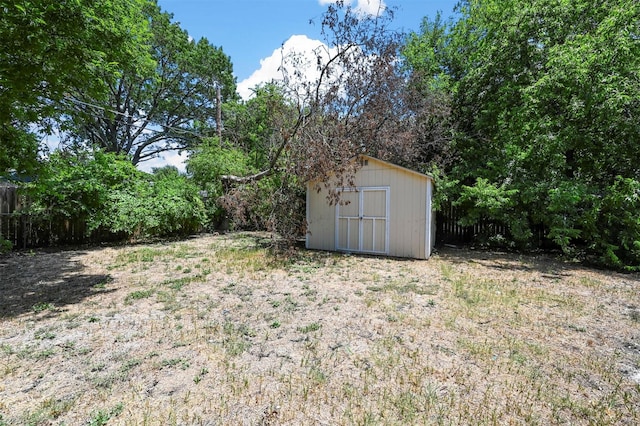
{"type": "Point", "coordinates": [78, 186]}
{"type": "Point", "coordinates": [208, 163]}
{"type": "Point", "coordinates": [20, 148]}
{"type": "Point", "coordinates": [251, 125]}
{"type": "Point", "coordinates": [357, 102]}
{"type": "Point", "coordinates": [113, 199]}
{"type": "Point", "coordinates": [165, 204]}
{"type": "Point", "coordinates": [544, 96]}
{"type": "Point", "coordinates": [47, 48]}
{"type": "Point", "coordinates": [150, 111]}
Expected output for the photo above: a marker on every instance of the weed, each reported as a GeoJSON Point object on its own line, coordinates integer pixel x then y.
{"type": "Point", "coordinates": [309, 292]}
{"type": "Point", "coordinates": [43, 354]}
{"type": "Point", "coordinates": [144, 254]}
{"type": "Point", "coordinates": [169, 299]}
{"type": "Point", "coordinates": [198, 378]}
{"type": "Point", "coordinates": [101, 418]}
{"type": "Point", "coordinates": [108, 380]}
{"type": "Point", "coordinates": [246, 259]}
{"type": "Point", "coordinates": [466, 291]}
{"type": "Point", "coordinates": [411, 287]}
{"type": "Point", "coordinates": [577, 328]}
{"type": "Point", "coordinates": [6, 349]}
{"type": "Point", "coordinates": [129, 365]}
{"type": "Point", "coordinates": [178, 283]}
{"type": "Point", "coordinates": [138, 294]}
{"type": "Point", "coordinates": [237, 338]}
{"type": "Point", "coordinates": [102, 284]}
{"type": "Point", "coordinates": [447, 272]}
{"type": "Point", "coordinates": [45, 333]}
{"type": "Point", "coordinates": [290, 305]}
{"type": "Point", "coordinates": [97, 367]}
{"type": "Point", "coordinates": [316, 375]}
{"type": "Point", "coordinates": [49, 409]}
{"type": "Point", "coordinates": [42, 306]}
{"type": "Point", "coordinates": [173, 362]}
{"type": "Point", "coordinates": [314, 326]}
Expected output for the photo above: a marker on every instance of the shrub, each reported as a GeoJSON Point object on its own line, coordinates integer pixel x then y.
{"type": "Point", "coordinates": [164, 204]}
{"type": "Point", "coordinates": [5, 245]}
{"type": "Point", "coordinates": [113, 198]}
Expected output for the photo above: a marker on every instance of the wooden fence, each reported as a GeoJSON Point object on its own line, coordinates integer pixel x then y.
{"type": "Point", "coordinates": [449, 230]}
{"type": "Point", "coordinates": [10, 219]}
{"type": "Point", "coordinates": [19, 227]}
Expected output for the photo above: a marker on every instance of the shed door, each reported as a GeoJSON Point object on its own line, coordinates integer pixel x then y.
{"type": "Point", "coordinates": [362, 219]}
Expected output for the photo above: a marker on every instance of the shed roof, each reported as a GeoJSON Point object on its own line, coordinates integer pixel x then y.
{"type": "Point", "coordinates": [368, 157]}
{"type": "Point", "coordinates": [386, 163]}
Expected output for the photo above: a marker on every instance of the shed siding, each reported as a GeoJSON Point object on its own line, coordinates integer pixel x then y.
{"type": "Point", "coordinates": [409, 221]}
{"type": "Point", "coordinates": [320, 221]}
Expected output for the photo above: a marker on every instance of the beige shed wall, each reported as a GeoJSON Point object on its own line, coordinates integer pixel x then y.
{"type": "Point", "coordinates": [409, 235]}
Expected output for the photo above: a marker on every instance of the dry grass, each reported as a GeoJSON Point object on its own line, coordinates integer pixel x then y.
{"type": "Point", "coordinates": [215, 331]}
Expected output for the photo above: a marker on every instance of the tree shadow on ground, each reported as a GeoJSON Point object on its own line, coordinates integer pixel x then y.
{"type": "Point", "coordinates": [45, 281]}
{"type": "Point", "coordinates": [549, 264]}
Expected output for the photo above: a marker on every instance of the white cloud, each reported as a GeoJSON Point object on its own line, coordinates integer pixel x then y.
{"type": "Point", "coordinates": [306, 51]}
{"type": "Point", "coordinates": [370, 7]}
{"type": "Point", "coordinates": [363, 7]}
{"type": "Point", "coordinates": [170, 158]}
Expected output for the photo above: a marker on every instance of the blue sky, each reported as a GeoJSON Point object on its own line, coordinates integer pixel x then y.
{"type": "Point", "coordinates": [250, 31]}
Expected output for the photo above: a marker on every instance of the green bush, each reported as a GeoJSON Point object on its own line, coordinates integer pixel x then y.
{"type": "Point", "coordinates": [167, 204]}
{"type": "Point", "coordinates": [113, 198]}
{"type": "Point", "coordinates": [76, 188]}
{"type": "Point", "coordinates": [614, 225]}
{"type": "Point", "coordinates": [207, 164]}
{"type": "Point", "coordinates": [5, 245]}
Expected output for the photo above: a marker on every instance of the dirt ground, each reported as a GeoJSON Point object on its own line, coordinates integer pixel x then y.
{"type": "Point", "coordinates": [215, 330]}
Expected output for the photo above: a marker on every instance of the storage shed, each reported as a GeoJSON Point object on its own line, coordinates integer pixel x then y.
{"type": "Point", "coordinates": [387, 212]}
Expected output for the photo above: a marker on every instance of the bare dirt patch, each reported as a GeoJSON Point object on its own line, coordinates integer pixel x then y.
{"type": "Point", "coordinates": [214, 330]}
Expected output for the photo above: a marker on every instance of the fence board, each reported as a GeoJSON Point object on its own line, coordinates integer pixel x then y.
{"type": "Point", "coordinates": [9, 222]}
{"type": "Point", "coordinates": [18, 226]}
{"type": "Point", "coordinates": [449, 230]}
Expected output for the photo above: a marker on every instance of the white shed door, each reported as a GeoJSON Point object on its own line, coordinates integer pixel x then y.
{"type": "Point", "coordinates": [362, 219]}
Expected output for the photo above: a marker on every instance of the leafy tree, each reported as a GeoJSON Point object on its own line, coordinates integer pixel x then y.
{"type": "Point", "coordinates": [112, 198]}
{"type": "Point", "coordinates": [77, 187]}
{"type": "Point", "coordinates": [359, 103]}
{"type": "Point", "coordinates": [20, 149]}
{"type": "Point", "coordinates": [431, 87]}
{"type": "Point", "coordinates": [46, 48]}
{"type": "Point", "coordinates": [544, 96]}
{"type": "Point", "coordinates": [208, 163]}
{"type": "Point", "coordinates": [249, 125]}
{"type": "Point", "coordinates": [166, 204]}
{"type": "Point", "coordinates": [149, 111]}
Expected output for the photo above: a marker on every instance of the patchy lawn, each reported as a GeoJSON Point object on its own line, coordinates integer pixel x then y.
{"type": "Point", "coordinates": [215, 331]}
